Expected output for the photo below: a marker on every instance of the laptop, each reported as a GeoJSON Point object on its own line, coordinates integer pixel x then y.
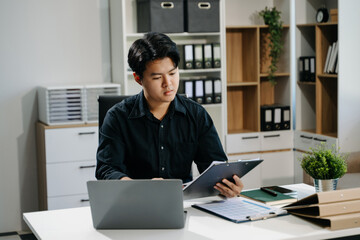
{"type": "Point", "coordinates": [136, 204]}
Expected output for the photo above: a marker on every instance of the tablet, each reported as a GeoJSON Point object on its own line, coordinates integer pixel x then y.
{"type": "Point", "coordinates": [203, 186]}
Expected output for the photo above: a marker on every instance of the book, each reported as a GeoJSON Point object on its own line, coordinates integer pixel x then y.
{"type": "Point", "coordinates": [264, 197]}
{"type": "Point", "coordinates": [327, 59]}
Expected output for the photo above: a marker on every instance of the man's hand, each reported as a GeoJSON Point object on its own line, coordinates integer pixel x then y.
{"type": "Point", "coordinates": [229, 189]}
{"type": "Point", "coordinates": [125, 178]}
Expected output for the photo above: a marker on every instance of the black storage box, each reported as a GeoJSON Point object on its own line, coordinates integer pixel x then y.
{"type": "Point", "coordinates": [202, 16]}
{"type": "Point", "coordinates": [160, 16]}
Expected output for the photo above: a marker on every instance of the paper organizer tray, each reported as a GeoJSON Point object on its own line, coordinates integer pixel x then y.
{"type": "Point", "coordinates": [72, 104]}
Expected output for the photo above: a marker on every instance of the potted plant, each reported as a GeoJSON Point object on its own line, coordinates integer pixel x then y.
{"type": "Point", "coordinates": [325, 166]}
{"type": "Point", "coordinates": [272, 18]}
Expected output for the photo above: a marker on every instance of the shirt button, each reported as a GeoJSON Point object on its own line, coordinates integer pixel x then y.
{"type": "Point", "coordinates": [162, 169]}
{"type": "Point", "coordinates": [162, 147]}
{"type": "Point", "coordinates": [162, 126]}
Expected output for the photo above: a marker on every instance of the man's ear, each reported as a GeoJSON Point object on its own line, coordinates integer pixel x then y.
{"type": "Point", "coordinates": [137, 78]}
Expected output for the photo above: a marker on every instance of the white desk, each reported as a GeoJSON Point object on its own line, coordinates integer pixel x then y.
{"type": "Point", "coordinates": [76, 223]}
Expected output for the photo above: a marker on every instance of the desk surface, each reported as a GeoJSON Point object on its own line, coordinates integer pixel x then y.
{"type": "Point", "coordinates": [76, 223]}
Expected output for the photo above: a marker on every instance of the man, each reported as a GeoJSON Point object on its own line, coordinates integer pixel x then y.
{"type": "Point", "coordinates": [157, 133]}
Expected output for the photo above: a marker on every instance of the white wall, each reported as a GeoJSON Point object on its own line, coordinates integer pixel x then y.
{"type": "Point", "coordinates": [349, 62]}
{"type": "Point", "coordinates": [42, 42]}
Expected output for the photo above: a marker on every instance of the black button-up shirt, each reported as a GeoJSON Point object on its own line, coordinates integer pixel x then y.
{"type": "Point", "coordinates": [134, 143]}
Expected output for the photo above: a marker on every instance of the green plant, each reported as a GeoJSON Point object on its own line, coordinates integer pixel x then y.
{"type": "Point", "coordinates": [324, 163]}
{"type": "Point", "coordinates": [272, 18]}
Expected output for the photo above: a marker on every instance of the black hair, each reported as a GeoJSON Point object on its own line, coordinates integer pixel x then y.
{"type": "Point", "coordinates": [151, 47]}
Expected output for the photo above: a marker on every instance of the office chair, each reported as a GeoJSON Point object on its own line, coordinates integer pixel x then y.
{"type": "Point", "coordinates": [105, 103]}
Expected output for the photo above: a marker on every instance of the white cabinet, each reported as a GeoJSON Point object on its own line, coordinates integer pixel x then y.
{"type": "Point", "coordinates": [123, 23]}
{"type": "Point", "coordinates": [66, 161]}
{"type": "Point", "coordinates": [241, 143]}
{"type": "Point", "coordinates": [277, 168]}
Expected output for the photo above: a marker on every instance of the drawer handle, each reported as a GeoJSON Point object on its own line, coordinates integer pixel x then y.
{"type": "Point", "coordinates": [89, 166]}
{"type": "Point", "coordinates": [167, 5]}
{"type": "Point", "coordinates": [303, 136]}
{"type": "Point", "coordinates": [84, 200]}
{"type": "Point", "coordinates": [86, 133]}
{"type": "Point", "coordinates": [270, 136]}
{"type": "Point", "coordinates": [320, 140]}
{"type": "Point", "coordinates": [245, 138]}
{"type": "Point", "coordinates": [204, 5]}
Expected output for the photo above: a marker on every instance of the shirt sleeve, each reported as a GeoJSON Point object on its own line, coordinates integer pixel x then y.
{"type": "Point", "coordinates": [209, 148]}
{"type": "Point", "coordinates": [111, 150]}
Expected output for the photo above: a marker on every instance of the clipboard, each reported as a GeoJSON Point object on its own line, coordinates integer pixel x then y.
{"type": "Point", "coordinates": [203, 186]}
{"type": "Point", "coordinates": [240, 209]}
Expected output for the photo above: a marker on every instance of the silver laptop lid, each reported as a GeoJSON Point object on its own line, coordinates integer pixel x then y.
{"type": "Point", "coordinates": [141, 204]}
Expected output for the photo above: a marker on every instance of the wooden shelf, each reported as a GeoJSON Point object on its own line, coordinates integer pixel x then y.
{"type": "Point", "coordinates": [306, 83]}
{"type": "Point", "coordinates": [327, 75]}
{"type": "Point", "coordinates": [247, 70]}
{"type": "Point", "coordinates": [241, 84]}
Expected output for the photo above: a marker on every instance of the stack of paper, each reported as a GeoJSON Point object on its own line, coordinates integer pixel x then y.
{"type": "Point", "coordinates": [335, 209]}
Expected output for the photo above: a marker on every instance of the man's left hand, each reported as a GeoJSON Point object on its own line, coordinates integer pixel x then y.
{"type": "Point", "coordinates": [229, 189]}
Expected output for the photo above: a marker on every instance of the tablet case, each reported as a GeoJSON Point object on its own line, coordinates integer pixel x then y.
{"type": "Point", "coordinates": [335, 210]}
{"type": "Point", "coordinates": [203, 186]}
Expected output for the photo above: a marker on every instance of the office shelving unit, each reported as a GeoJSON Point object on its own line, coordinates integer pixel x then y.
{"type": "Point", "coordinates": [123, 22]}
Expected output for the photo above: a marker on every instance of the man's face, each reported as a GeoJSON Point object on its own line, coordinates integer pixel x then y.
{"type": "Point", "coordinates": [160, 81]}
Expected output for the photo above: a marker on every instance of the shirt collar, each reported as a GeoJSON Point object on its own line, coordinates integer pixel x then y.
{"type": "Point", "coordinates": [141, 109]}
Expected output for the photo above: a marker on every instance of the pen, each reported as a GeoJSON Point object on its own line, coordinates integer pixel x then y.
{"type": "Point", "coordinates": [269, 191]}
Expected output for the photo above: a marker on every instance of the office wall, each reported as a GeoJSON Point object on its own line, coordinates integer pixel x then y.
{"type": "Point", "coordinates": [42, 42]}
{"type": "Point", "coordinates": [349, 61]}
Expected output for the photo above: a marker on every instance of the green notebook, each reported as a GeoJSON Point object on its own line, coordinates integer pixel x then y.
{"type": "Point", "coordinates": [267, 198]}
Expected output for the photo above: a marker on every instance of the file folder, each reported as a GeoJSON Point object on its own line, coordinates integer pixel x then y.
{"type": "Point", "coordinates": [198, 56]}
{"type": "Point", "coordinates": [306, 69]}
{"type": "Point", "coordinates": [285, 118]}
{"type": "Point", "coordinates": [189, 56]}
{"type": "Point", "coordinates": [301, 69]}
{"type": "Point", "coordinates": [208, 56]}
{"type": "Point", "coordinates": [199, 91]}
{"type": "Point", "coordinates": [217, 91]}
{"type": "Point", "coordinates": [312, 69]}
{"type": "Point", "coordinates": [266, 112]}
{"type": "Point", "coordinates": [189, 88]}
{"type": "Point", "coordinates": [277, 118]}
{"type": "Point", "coordinates": [182, 57]}
{"type": "Point", "coordinates": [209, 93]}
{"type": "Point", "coordinates": [216, 55]}
{"type": "Point", "coordinates": [335, 210]}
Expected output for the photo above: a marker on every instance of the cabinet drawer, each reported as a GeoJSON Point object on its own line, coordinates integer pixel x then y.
{"type": "Point", "coordinates": [277, 140]}
{"type": "Point", "coordinates": [69, 178]}
{"type": "Point", "coordinates": [330, 141]}
{"type": "Point", "coordinates": [71, 144]}
{"type": "Point", "coordinates": [277, 168]}
{"type": "Point", "coordinates": [73, 201]}
{"type": "Point", "coordinates": [304, 140]}
{"type": "Point", "coordinates": [253, 178]}
{"type": "Point", "coordinates": [244, 142]}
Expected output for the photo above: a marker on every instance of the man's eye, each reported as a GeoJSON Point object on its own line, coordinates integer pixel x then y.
{"type": "Point", "coordinates": [156, 78]}
{"type": "Point", "coordinates": [172, 73]}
